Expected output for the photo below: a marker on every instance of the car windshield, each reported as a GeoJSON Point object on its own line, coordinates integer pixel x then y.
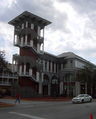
{"type": "Point", "coordinates": [82, 95]}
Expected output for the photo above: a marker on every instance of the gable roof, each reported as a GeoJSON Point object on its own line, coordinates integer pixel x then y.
{"type": "Point", "coordinates": [71, 55]}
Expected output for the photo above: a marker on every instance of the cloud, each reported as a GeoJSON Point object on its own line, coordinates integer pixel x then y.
{"type": "Point", "coordinates": [72, 29]}
{"type": "Point", "coordinates": [6, 40]}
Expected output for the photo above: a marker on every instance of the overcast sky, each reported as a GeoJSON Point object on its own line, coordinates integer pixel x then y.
{"type": "Point", "coordinates": [73, 27]}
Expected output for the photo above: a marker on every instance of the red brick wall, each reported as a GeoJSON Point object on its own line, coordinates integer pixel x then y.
{"type": "Point", "coordinates": [27, 52]}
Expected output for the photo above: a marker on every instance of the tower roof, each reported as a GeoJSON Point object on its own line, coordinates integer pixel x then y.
{"type": "Point", "coordinates": [27, 14]}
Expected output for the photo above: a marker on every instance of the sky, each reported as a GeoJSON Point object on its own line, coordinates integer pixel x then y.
{"type": "Point", "coordinates": [73, 27]}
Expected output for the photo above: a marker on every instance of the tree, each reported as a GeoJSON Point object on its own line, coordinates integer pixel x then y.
{"type": "Point", "coordinates": [3, 63]}
{"type": "Point", "coordinates": [85, 76]}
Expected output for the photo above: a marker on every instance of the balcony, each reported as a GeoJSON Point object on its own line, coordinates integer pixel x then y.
{"type": "Point", "coordinates": [24, 59]}
{"type": "Point", "coordinates": [27, 74]}
{"type": "Point", "coordinates": [40, 39]}
{"type": "Point", "coordinates": [18, 43]}
{"type": "Point", "coordinates": [8, 76]}
{"type": "Point", "coordinates": [5, 83]}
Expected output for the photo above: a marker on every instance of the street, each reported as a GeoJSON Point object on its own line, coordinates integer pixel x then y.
{"type": "Point", "coordinates": [47, 110]}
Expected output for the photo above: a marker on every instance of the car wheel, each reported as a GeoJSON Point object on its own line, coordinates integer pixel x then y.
{"type": "Point", "coordinates": [90, 100]}
{"type": "Point", "coordinates": [82, 100]}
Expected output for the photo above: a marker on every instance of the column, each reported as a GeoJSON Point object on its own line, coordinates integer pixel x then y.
{"type": "Point", "coordinates": [37, 76]}
{"type": "Point", "coordinates": [30, 72]}
{"type": "Point", "coordinates": [32, 26]}
{"type": "Point", "coordinates": [86, 87]}
{"type": "Point", "coordinates": [51, 66]}
{"type": "Point", "coordinates": [40, 84]}
{"type": "Point", "coordinates": [24, 69]}
{"type": "Point", "coordinates": [20, 69]}
{"type": "Point", "coordinates": [22, 41]}
{"type": "Point", "coordinates": [14, 37]}
{"type": "Point", "coordinates": [17, 41]}
{"type": "Point", "coordinates": [26, 24]}
{"type": "Point", "coordinates": [15, 66]}
{"type": "Point", "coordinates": [26, 40]}
{"type": "Point", "coordinates": [43, 65]}
{"type": "Point", "coordinates": [49, 90]}
{"type": "Point", "coordinates": [48, 66]}
{"type": "Point", "coordinates": [54, 68]}
{"type": "Point", "coordinates": [61, 66]}
{"type": "Point", "coordinates": [61, 87]}
{"type": "Point", "coordinates": [38, 47]}
{"type": "Point", "coordinates": [23, 26]}
{"type": "Point", "coordinates": [39, 30]}
{"type": "Point", "coordinates": [31, 43]}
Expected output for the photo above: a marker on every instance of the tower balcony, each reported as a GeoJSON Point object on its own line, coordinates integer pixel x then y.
{"type": "Point", "coordinates": [24, 59]}
{"type": "Point", "coordinates": [27, 59]}
{"type": "Point", "coordinates": [21, 43]}
{"type": "Point", "coordinates": [40, 39]}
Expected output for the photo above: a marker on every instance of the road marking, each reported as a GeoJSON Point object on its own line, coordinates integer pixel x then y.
{"type": "Point", "coordinates": [26, 115]}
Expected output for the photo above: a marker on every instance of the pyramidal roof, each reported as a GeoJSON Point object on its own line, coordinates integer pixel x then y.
{"type": "Point", "coordinates": [27, 14]}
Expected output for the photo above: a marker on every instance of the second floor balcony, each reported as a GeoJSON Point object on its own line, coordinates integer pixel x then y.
{"type": "Point", "coordinates": [5, 83]}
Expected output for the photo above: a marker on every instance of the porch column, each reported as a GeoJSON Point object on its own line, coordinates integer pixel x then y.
{"type": "Point", "coordinates": [30, 72]}
{"type": "Point", "coordinates": [86, 87]}
{"type": "Point", "coordinates": [15, 68]}
{"type": "Point", "coordinates": [61, 66]}
{"type": "Point", "coordinates": [32, 26]}
{"type": "Point", "coordinates": [38, 47]}
{"type": "Point", "coordinates": [54, 67]}
{"type": "Point", "coordinates": [51, 66]}
{"type": "Point", "coordinates": [40, 84]}
{"type": "Point", "coordinates": [22, 41]}
{"type": "Point", "coordinates": [20, 69]}
{"type": "Point", "coordinates": [48, 66]}
{"type": "Point", "coordinates": [26, 40]}
{"type": "Point", "coordinates": [24, 69]}
{"type": "Point", "coordinates": [61, 87]}
{"type": "Point", "coordinates": [26, 24]}
{"type": "Point", "coordinates": [23, 26]}
{"type": "Point", "coordinates": [49, 90]}
{"type": "Point", "coordinates": [37, 76]}
{"type": "Point", "coordinates": [31, 43]}
{"type": "Point", "coordinates": [39, 30]}
{"type": "Point", "coordinates": [43, 65]}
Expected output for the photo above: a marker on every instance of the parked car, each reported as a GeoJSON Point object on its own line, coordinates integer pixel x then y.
{"type": "Point", "coordinates": [82, 98]}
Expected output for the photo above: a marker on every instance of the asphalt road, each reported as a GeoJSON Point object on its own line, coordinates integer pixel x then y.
{"type": "Point", "coordinates": [48, 110]}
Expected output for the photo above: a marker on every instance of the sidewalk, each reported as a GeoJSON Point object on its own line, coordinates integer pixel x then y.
{"type": "Point", "coordinates": [43, 98]}
{"type": "Point", "coordinates": [2, 104]}
{"type": "Point", "coordinates": [7, 104]}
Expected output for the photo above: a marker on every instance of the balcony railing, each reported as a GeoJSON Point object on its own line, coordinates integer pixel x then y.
{"type": "Point", "coordinates": [24, 59]}
{"type": "Point", "coordinates": [5, 83]}
{"type": "Point", "coordinates": [27, 74]}
{"type": "Point", "coordinates": [13, 76]}
{"type": "Point", "coordinates": [40, 39]}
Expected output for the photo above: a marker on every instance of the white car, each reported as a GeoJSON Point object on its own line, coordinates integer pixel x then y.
{"type": "Point", "coordinates": [82, 98]}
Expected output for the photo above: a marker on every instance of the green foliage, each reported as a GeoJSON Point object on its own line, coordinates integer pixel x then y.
{"type": "Point", "coordinates": [86, 74]}
{"type": "Point", "coordinates": [3, 62]}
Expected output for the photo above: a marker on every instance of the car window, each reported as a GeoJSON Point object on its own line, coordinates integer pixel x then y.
{"type": "Point", "coordinates": [82, 95]}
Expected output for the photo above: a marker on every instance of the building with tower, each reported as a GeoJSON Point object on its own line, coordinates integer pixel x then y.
{"type": "Point", "coordinates": [41, 73]}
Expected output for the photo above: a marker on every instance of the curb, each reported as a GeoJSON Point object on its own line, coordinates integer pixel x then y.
{"type": "Point", "coordinates": [5, 105]}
